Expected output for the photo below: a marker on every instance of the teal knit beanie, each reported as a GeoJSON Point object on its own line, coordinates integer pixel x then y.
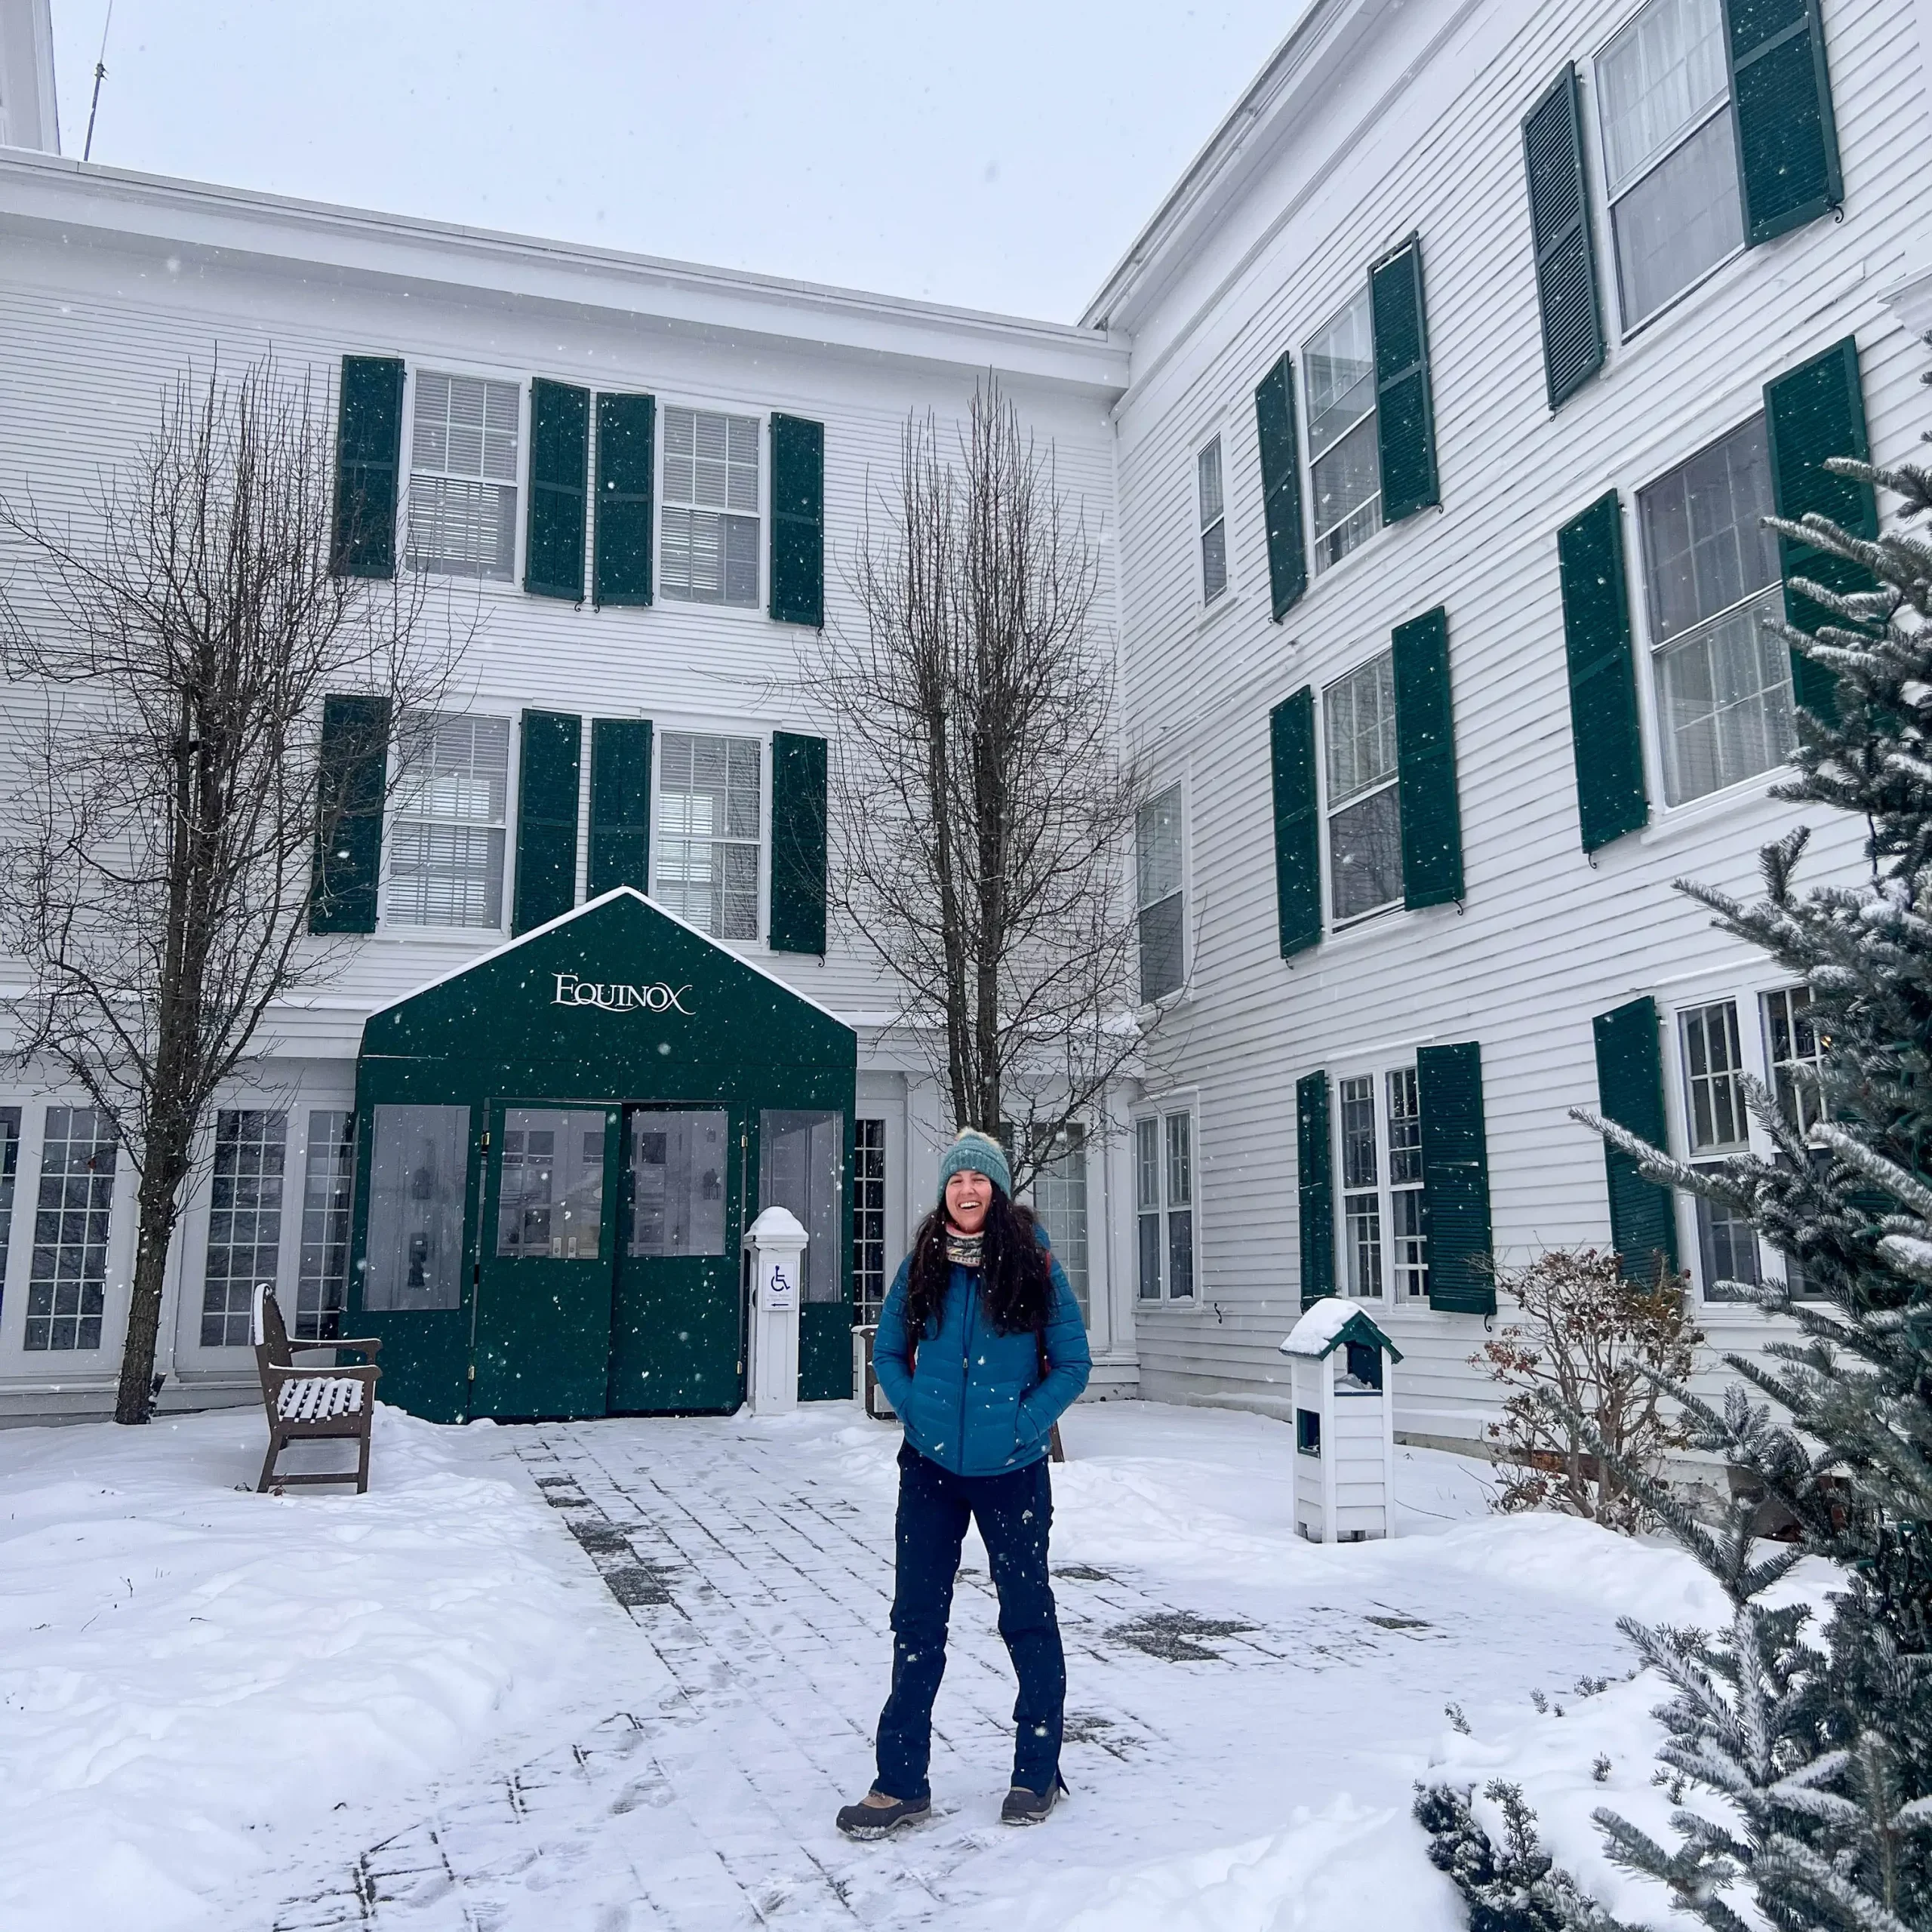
{"type": "Point", "coordinates": [982, 1154]}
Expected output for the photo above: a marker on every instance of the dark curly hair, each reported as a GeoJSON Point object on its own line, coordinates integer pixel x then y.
{"type": "Point", "coordinates": [1015, 1286]}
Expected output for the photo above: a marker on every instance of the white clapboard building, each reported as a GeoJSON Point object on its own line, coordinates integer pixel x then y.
{"type": "Point", "coordinates": [1428, 424]}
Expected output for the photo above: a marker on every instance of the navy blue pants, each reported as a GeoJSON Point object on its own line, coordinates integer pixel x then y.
{"type": "Point", "coordinates": [1014, 1512]}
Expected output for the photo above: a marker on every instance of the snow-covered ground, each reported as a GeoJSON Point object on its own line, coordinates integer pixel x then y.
{"type": "Point", "coordinates": [619, 1675]}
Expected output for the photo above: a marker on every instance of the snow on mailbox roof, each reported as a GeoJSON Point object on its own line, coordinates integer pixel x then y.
{"type": "Point", "coordinates": [1328, 1323]}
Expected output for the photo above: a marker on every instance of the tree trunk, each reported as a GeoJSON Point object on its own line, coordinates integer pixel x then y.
{"type": "Point", "coordinates": [133, 1401]}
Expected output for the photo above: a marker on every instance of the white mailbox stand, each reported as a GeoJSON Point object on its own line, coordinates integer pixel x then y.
{"type": "Point", "coordinates": [1345, 1423]}
{"type": "Point", "coordinates": [775, 1243]}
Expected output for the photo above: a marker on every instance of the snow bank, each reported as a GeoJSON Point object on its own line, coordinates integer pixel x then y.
{"type": "Point", "coordinates": [188, 1669]}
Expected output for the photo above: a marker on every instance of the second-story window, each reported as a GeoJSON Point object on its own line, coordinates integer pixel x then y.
{"type": "Point", "coordinates": [1158, 878]}
{"type": "Point", "coordinates": [1711, 570]}
{"type": "Point", "coordinates": [1344, 474]}
{"type": "Point", "coordinates": [707, 857]}
{"type": "Point", "coordinates": [445, 846]}
{"type": "Point", "coordinates": [1365, 823]}
{"type": "Point", "coordinates": [463, 476]}
{"type": "Point", "coordinates": [709, 520]}
{"type": "Point", "coordinates": [1214, 522]}
{"type": "Point", "coordinates": [1662, 88]}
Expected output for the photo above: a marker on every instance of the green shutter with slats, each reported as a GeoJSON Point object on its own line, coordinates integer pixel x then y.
{"type": "Point", "coordinates": [1781, 115]}
{"type": "Point", "coordinates": [798, 521]}
{"type": "Point", "coordinates": [1572, 343]}
{"type": "Point", "coordinates": [546, 818]}
{"type": "Point", "coordinates": [1425, 763]}
{"type": "Point", "coordinates": [1812, 413]}
{"type": "Point", "coordinates": [1297, 822]}
{"type": "Point", "coordinates": [1281, 485]}
{"type": "Point", "coordinates": [351, 767]}
{"type": "Point", "coordinates": [368, 457]}
{"type": "Point", "coordinates": [559, 467]}
{"type": "Point", "coordinates": [619, 804]}
{"type": "Point", "coordinates": [1643, 1215]}
{"type": "Point", "coordinates": [1455, 1179]}
{"type": "Point", "coordinates": [1604, 735]}
{"type": "Point", "coordinates": [620, 549]}
{"type": "Point", "coordinates": [1404, 409]}
{"type": "Point", "coordinates": [1315, 1172]}
{"type": "Point", "coordinates": [798, 844]}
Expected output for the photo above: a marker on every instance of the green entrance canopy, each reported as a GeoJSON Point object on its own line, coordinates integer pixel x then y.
{"type": "Point", "coordinates": [558, 1149]}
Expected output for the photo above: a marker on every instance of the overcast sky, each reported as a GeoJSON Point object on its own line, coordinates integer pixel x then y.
{"type": "Point", "coordinates": [999, 153]}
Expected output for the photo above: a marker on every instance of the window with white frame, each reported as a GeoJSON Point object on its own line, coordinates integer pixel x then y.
{"type": "Point", "coordinates": [1384, 1249]}
{"type": "Point", "coordinates": [73, 1215]}
{"type": "Point", "coordinates": [328, 1182]}
{"type": "Point", "coordinates": [1711, 576]}
{"type": "Point", "coordinates": [1795, 1056]}
{"type": "Point", "coordinates": [707, 855]}
{"type": "Point", "coordinates": [1670, 160]}
{"type": "Point", "coordinates": [1365, 822]}
{"type": "Point", "coordinates": [1345, 474]}
{"type": "Point", "coordinates": [1214, 521]}
{"type": "Point", "coordinates": [1715, 1112]}
{"type": "Point", "coordinates": [9, 1172]}
{"type": "Point", "coordinates": [869, 1276]}
{"type": "Point", "coordinates": [463, 476]}
{"type": "Point", "coordinates": [708, 521]}
{"type": "Point", "coordinates": [1060, 1199]}
{"type": "Point", "coordinates": [245, 1221]}
{"type": "Point", "coordinates": [1158, 881]}
{"type": "Point", "coordinates": [1163, 1205]}
{"type": "Point", "coordinates": [445, 848]}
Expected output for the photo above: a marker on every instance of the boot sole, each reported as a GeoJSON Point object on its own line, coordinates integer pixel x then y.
{"type": "Point", "coordinates": [864, 1833]}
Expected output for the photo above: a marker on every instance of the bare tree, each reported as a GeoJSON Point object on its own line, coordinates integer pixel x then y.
{"type": "Point", "coordinates": [172, 650]}
{"type": "Point", "coordinates": [982, 807]}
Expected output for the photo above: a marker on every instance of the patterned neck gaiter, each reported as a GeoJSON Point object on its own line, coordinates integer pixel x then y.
{"type": "Point", "coordinates": [964, 1250]}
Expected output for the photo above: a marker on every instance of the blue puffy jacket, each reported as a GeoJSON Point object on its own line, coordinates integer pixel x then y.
{"type": "Point", "coordinates": [972, 1399]}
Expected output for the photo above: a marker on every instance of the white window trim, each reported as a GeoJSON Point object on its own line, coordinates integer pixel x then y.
{"type": "Point", "coordinates": [1179, 783]}
{"type": "Point", "coordinates": [520, 381]}
{"type": "Point", "coordinates": [469, 937]}
{"type": "Point", "coordinates": [1207, 608]}
{"type": "Point", "coordinates": [716, 727]}
{"type": "Point", "coordinates": [1330, 923]}
{"type": "Point", "coordinates": [1319, 572]}
{"type": "Point", "coordinates": [1376, 1070]}
{"type": "Point", "coordinates": [1158, 1111]}
{"type": "Point", "coordinates": [761, 413]}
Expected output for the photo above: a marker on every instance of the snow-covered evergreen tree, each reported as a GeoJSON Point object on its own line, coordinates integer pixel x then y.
{"type": "Point", "coordinates": [1820, 1752]}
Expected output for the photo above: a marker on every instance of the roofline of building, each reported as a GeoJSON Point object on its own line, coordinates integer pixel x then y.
{"type": "Point", "coordinates": [51, 193]}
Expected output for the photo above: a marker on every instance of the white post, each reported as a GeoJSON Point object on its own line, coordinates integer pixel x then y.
{"type": "Point", "coordinates": [777, 1244]}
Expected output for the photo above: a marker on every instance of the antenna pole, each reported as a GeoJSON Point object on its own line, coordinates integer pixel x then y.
{"type": "Point", "coordinates": [99, 75]}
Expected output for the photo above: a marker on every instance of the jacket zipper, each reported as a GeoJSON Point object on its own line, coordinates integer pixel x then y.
{"type": "Point", "coordinates": [965, 1366]}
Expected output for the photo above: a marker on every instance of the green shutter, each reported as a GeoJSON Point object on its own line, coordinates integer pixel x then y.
{"type": "Point", "coordinates": [1572, 346]}
{"type": "Point", "coordinates": [1316, 1175]}
{"type": "Point", "coordinates": [1812, 412]}
{"type": "Point", "coordinates": [798, 521]}
{"type": "Point", "coordinates": [1643, 1216]}
{"type": "Point", "coordinates": [1297, 822]}
{"type": "Point", "coordinates": [1605, 734]}
{"type": "Point", "coordinates": [1781, 112]}
{"type": "Point", "coordinates": [368, 457]}
{"type": "Point", "coordinates": [798, 844]}
{"type": "Point", "coordinates": [1280, 485]}
{"type": "Point", "coordinates": [1404, 410]}
{"type": "Point", "coordinates": [1425, 763]}
{"type": "Point", "coordinates": [352, 767]}
{"type": "Point", "coordinates": [619, 804]}
{"type": "Point", "coordinates": [1455, 1179]}
{"type": "Point", "coordinates": [620, 569]}
{"type": "Point", "coordinates": [546, 818]}
{"type": "Point", "coordinates": [559, 466]}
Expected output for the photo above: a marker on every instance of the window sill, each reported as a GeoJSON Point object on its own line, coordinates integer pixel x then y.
{"type": "Point", "coordinates": [1212, 614]}
{"type": "Point", "coordinates": [1354, 923]}
{"type": "Point", "coordinates": [1732, 801]}
{"type": "Point", "coordinates": [450, 936]}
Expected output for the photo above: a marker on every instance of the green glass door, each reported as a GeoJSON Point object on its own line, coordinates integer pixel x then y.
{"type": "Point", "coordinates": [542, 1313]}
{"type": "Point", "coordinates": [677, 1342]}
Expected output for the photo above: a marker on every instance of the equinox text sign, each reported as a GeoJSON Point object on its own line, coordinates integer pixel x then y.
{"type": "Point", "coordinates": [609, 996]}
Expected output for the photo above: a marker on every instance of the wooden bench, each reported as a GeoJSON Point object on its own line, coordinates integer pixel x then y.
{"type": "Point", "coordinates": [312, 1405]}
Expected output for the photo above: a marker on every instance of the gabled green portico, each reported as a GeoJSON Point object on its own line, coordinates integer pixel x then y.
{"type": "Point", "coordinates": [559, 1148]}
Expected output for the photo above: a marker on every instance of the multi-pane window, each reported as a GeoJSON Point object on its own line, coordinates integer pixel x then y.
{"type": "Point", "coordinates": [1158, 881]}
{"type": "Point", "coordinates": [328, 1179]}
{"type": "Point", "coordinates": [1408, 1244]}
{"type": "Point", "coordinates": [709, 519]}
{"type": "Point", "coordinates": [10, 1169]}
{"type": "Point", "coordinates": [707, 856]}
{"type": "Point", "coordinates": [1345, 477]}
{"type": "Point", "coordinates": [1060, 1199]}
{"type": "Point", "coordinates": [66, 1288]}
{"type": "Point", "coordinates": [1663, 90]}
{"type": "Point", "coordinates": [1163, 1205]}
{"type": "Point", "coordinates": [1361, 1198]}
{"type": "Point", "coordinates": [463, 476]}
{"type": "Point", "coordinates": [869, 1276]}
{"type": "Point", "coordinates": [1713, 1105]}
{"type": "Point", "coordinates": [245, 1220]}
{"type": "Point", "coordinates": [1365, 823]}
{"type": "Point", "coordinates": [445, 846]}
{"type": "Point", "coordinates": [1214, 522]}
{"type": "Point", "coordinates": [1711, 569]}
{"type": "Point", "coordinates": [1796, 1057]}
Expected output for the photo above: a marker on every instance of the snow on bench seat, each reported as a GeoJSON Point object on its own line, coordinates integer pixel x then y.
{"type": "Point", "coordinates": [321, 1399]}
